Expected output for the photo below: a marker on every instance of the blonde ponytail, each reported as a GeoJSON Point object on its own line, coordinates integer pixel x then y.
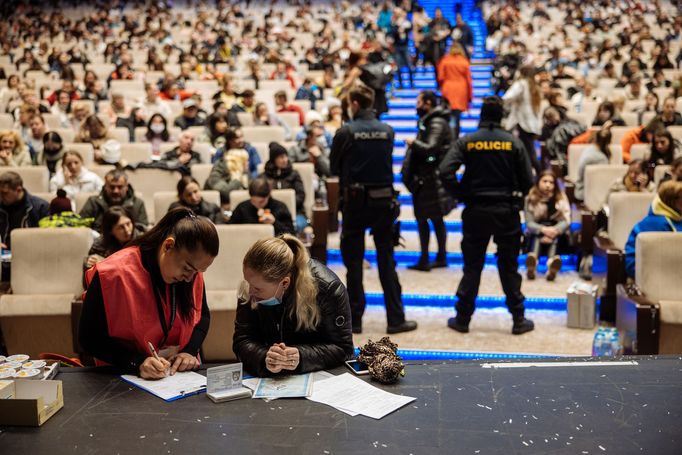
{"type": "Point", "coordinates": [275, 258]}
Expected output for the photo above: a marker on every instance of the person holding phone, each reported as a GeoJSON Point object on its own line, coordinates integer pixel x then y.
{"type": "Point", "coordinates": [152, 292]}
{"type": "Point", "coordinates": [293, 314]}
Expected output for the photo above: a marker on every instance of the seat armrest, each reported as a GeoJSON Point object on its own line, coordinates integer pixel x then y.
{"type": "Point", "coordinates": [638, 323]}
{"type": "Point", "coordinates": [333, 196]}
{"type": "Point", "coordinates": [588, 228]}
{"type": "Point", "coordinates": [318, 249]}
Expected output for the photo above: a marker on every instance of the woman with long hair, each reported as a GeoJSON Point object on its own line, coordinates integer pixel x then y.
{"type": "Point", "coordinates": [664, 149]}
{"type": "Point", "coordinates": [293, 314]}
{"type": "Point", "coordinates": [454, 78]}
{"type": "Point", "coordinates": [13, 152]}
{"type": "Point", "coordinates": [118, 228]}
{"type": "Point", "coordinates": [523, 101]}
{"type": "Point", "coordinates": [548, 217]}
{"type": "Point", "coordinates": [152, 292]}
{"type": "Point", "coordinates": [189, 196]}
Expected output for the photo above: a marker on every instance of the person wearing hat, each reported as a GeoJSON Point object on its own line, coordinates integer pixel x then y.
{"type": "Point", "coordinates": [191, 115]}
{"type": "Point", "coordinates": [116, 191]}
{"type": "Point", "coordinates": [281, 175]}
{"type": "Point", "coordinates": [110, 153]}
{"type": "Point", "coordinates": [497, 176]}
{"type": "Point", "coordinates": [246, 103]}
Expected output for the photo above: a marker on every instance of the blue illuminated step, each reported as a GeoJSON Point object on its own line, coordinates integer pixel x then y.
{"type": "Point", "coordinates": [456, 226]}
{"type": "Point", "coordinates": [404, 258]}
{"type": "Point", "coordinates": [449, 300]}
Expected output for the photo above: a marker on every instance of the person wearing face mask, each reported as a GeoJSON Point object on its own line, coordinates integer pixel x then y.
{"type": "Point", "coordinates": [74, 178]}
{"type": "Point", "coordinates": [420, 176]}
{"type": "Point", "coordinates": [189, 196]}
{"type": "Point", "coordinates": [312, 149]}
{"type": "Point", "coordinates": [293, 314]}
{"type": "Point", "coordinates": [152, 291]}
{"type": "Point", "coordinates": [362, 157]}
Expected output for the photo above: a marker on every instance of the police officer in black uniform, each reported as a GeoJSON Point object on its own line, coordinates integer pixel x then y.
{"type": "Point", "coordinates": [497, 176]}
{"type": "Point", "coordinates": [362, 157]}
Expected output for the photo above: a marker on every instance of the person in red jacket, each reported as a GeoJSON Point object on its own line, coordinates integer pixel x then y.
{"type": "Point", "coordinates": [152, 292]}
{"type": "Point", "coordinates": [282, 104]}
{"type": "Point", "coordinates": [454, 79]}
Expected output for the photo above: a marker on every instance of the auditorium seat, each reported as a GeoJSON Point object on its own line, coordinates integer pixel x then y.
{"type": "Point", "coordinates": [608, 264]}
{"type": "Point", "coordinates": [80, 199]}
{"type": "Point", "coordinates": [136, 152]}
{"type": "Point", "coordinates": [640, 152]}
{"type": "Point", "coordinates": [36, 178]}
{"type": "Point", "coordinates": [201, 172]}
{"type": "Point", "coordinates": [617, 133]}
{"type": "Point", "coordinates": [222, 282]}
{"type": "Point", "coordinates": [67, 134]}
{"type": "Point", "coordinates": [163, 199]}
{"type": "Point", "coordinates": [288, 197]}
{"type": "Point", "coordinates": [263, 134]}
{"type": "Point", "coordinates": [101, 169]}
{"type": "Point", "coordinates": [146, 182]}
{"type": "Point", "coordinates": [6, 122]}
{"type": "Point", "coordinates": [652, 323]}
{"type": "Point", "coordinates": [659, 172]}
{"type": "Point", "coordinates": [120, 134]}
{"type": "Point", "coordinates": [292, 120]}
{"type": "Point", "coordinates": [245, 118]}
{"type": "Point", "coordinates": [47, 271]}
{"type": "Point", "coordinates": [85, 149]}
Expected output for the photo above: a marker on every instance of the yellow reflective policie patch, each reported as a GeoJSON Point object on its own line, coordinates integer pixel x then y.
{"type": "Point", "coordinates": [489, 145]}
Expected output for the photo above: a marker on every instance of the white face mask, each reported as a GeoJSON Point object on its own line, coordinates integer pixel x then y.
{"type": "Point", "coordinates": [157, 128]}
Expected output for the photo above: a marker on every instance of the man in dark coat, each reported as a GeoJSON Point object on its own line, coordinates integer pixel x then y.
{"type": "Point", "coordinates": [281, 175]}
{"type": "Point", "coordinates": [420, 176]}
{"type": "Point", "coordinates": [262, 208]}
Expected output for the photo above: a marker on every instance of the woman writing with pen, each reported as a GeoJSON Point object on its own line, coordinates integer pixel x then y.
{"type": "Point", "coordinates": [293, 314]}
{"type": "Point", "coordinates": [149, 298]}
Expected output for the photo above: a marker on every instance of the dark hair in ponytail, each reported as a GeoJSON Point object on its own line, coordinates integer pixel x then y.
{"type": "Point", "coordinates": [190, 232]}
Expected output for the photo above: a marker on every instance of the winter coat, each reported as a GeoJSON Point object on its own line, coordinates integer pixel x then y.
{"type": "Point", "coordinates": [220, 179]}
{"type": "Point", "coordinates": [205, 208]}
{"type": "Point", "coordinates": [34, 210]}
{"type": "Point", "coordinates": [454, 77]}
{"type": "Point", "coordinates": [327, 346]}
{"type": "Point", "coordinates": [521, 113]}
{"type": "Point", "coordinates": [661, 218]}
{"type": "Point", "coordinates": [97, 205]}
{"type": "Point", "coordinates": [299, 154]}
{"type": "Point", "coordinates": [87, 182]}
{"type": "Point", "coordinates": [557, 144]}
{"type": "Point", "coordinates": [286, 178]}
{"type": "Point", "coordinates": [420, 167]}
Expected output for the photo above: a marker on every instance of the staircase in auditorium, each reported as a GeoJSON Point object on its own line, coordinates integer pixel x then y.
{"type": "Point", "coordinates": [402, 117]}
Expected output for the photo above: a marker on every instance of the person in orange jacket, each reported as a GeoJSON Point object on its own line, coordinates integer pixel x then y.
{"type": "Point", "coordinates": [639, 135]}
{"type": "Point", "coordinates": [454, 79]}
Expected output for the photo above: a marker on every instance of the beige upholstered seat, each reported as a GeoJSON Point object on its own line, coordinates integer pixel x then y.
{"type": "Point", "coordinates": [288, 197]}
{"type": "Point", "coordinates": [85, 149]}
{"type": "Point", "coordinates": [146, 182]}
{"type": "Point", "coordinates": [47, 268]}
{"type": "Point", "coordinates": [307, 171]}
{"type": "Point", "coordinates": [67, 134]}
{"type": "Point", "coordinates": [163, 200]}
{"type": "Point", "coordinates": [659, 172]}
{"type": "Point", "coordinates": [598, 180]}
{"type": "Point", "coordinates": [81, 198]}
{"type": "Point", "coordinates": [657, 272]}
{"type": "Point", "coordinates": [222, 281]}
{"type": "Point", "coordinates": [626, 210]}
{"type": "Point", "coordinates": [640, 151]}
{"type": "Point", "coordinates": [136, 152]}
{"type": "Point", "coordinates": [263, 134]}
{"type": "Point", "coordinates": [35, 178]}
{"type": "Point", "coordinates": [201, 172]}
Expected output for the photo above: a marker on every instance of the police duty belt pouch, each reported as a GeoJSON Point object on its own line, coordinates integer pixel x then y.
{"type": "Point", "coordinates": [379, 198]}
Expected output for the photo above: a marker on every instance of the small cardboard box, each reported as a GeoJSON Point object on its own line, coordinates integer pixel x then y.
{"type": "Point", "coordinates": [6, 389]}
{"type": "Point", "coordinates": [32, 404]}
{"type": "Point", "coordinates": [582, 305]}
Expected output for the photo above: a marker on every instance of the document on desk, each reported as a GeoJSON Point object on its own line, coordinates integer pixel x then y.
{"type": "Point", "coordinates": [294, 386]}
{"type": "Point", "coordinates": [170, 388]}
{"type": "Point", "coordinates": [353, 395]}
{"type": "Point", "coordinates": [252, 383]}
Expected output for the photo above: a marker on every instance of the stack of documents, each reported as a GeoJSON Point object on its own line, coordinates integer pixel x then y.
{"type": "Point", "coordinates": [170, 388]}
{"type": "Point", "coordinates": [355, 396]}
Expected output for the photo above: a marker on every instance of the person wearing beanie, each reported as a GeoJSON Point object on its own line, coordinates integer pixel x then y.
{"type": "Point", "coordinates": [281, 175]}
{"type": "Point", "coordinates": [497, 176]}
{"type": "Point", "coordinates": [60, 204]}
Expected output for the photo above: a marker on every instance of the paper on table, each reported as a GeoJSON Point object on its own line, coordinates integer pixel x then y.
{"type": "Point", "coordinates": [294, 386]}
{"type": "Point", "coordinates": [348, 393]}
{"type": "Point", "coordinates": [170, 388]}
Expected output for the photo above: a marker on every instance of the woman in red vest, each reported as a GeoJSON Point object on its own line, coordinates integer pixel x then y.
{"type": "Point", "coordinates": [152, 292]}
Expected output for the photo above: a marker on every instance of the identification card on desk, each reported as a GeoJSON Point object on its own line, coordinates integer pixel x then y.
{"type": "Point", "coordinates": [224, 383]}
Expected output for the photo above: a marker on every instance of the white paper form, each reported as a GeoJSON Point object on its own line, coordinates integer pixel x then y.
{"type": "Point", "coordinates": [348, 393]}
{"type": "Point", "coordinates": [171, 388]}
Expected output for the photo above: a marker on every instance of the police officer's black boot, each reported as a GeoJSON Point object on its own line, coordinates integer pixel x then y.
{"type": "Point", "coordinates": [459, 324]}
{"type": "Point", "coordinates": [522, 325]}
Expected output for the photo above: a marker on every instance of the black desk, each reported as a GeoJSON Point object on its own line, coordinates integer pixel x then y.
{"type": "Point", "coordinates": [460, 408]}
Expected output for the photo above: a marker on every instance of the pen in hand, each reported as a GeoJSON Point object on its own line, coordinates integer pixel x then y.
{"type": "Point", "coordinates": [156, 356]}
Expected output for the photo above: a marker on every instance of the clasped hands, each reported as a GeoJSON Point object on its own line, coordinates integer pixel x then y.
{"type": "Point", "coordinates": [280, 357]}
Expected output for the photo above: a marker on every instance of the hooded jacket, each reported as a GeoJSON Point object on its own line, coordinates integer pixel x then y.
{"type": "Point", "coordinates": [661, 218]}
{"type": "Point", "coordinates": [34, 209]}
{"type": "Point", "coordinates": [97, 205]}
{"type": "Point", "coordinates": [327, 346]}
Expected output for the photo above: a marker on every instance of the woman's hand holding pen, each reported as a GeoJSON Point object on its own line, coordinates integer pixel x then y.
{"type": "Point", "coordinates": [154, 368]}
{"type": "Point", "coordinates": [280, 357]}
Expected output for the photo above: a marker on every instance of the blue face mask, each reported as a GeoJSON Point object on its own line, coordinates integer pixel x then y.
{"type": "Point", "coordinates": [272, 301]}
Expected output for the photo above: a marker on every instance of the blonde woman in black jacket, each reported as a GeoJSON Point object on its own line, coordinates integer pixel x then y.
{"type": "Point", "coordinates": [293, 314]}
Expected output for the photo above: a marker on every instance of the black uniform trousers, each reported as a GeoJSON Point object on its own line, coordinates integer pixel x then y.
{"type": "Point", "coordinates": [501, 221]}
{"type": "Point", "coordinates": [357, 218]}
